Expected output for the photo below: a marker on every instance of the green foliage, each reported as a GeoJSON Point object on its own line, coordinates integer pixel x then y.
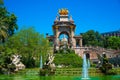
{"type": "Point", "coordinates": [92, 65]}
{"type": "Point", "coordinates": [45, 72]}
{"type": "Point", "coordinates": [114, 42]}
{"type": "Point", "coordinates": [105, 41]}
{"type": "Point", "coordinates": [7, 23]}
{"type": "Point", "coordinates": [106, 66]}
{"type": "Point", "coordinates": [29, 61]}
{"type": "Point", "coordinates": [5, 59]}
{"type": "Point", "coordinates": [67, 51]}
{"type": "Point", "coordinates": [112, 72]}
{"type": "Point", "coordinates": [5, 62]}
{"type": "Point", "coordinates": [30, 45]}
{"type": "Point", "coordinates": [92, 38]}
{"type": "Point", "coordinates": [1, 2]}
{"type": "Point", "coordinates": [70, 60]}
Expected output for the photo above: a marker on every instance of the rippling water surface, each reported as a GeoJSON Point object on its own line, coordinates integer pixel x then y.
{"type": "Point", "coordinates": [36, 77]}
{"type": "Point", "coordinates": [33, 75]}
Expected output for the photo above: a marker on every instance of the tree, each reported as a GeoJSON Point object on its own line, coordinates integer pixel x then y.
{"type": "Point", "coordinates": [92, 38]}
{"type": "Point", "coordinates": [30, 44]}
{"type": "Point", "coordinates": [105, 41]}
{"type": "Point", "coordinates": [7, 23]}
{"type": "Point", "coordinates": [114, 42]}
{"type": "Point", "coordinates": [1, 2]}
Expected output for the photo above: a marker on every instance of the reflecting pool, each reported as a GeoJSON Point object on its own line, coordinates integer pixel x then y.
{"type": "Point", "coordinates": [32, 74]}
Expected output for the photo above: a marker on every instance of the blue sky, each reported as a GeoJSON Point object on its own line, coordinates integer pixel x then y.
{"type": "Point", "coordinates": [98, 15]}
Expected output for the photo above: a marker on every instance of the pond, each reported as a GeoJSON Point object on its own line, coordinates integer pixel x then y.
{"type": "Point", "coordinates": [36, 77]}
{"type": "Point", "coordinates": [32, 74]}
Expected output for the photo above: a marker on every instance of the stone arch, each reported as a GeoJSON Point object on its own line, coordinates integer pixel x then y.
{"type": "Point", "coordinates": [88, 55]}
{"type": "Point", "coordinates": [64, 32]}
{"type": "Point", "coordinates": [68, 35]}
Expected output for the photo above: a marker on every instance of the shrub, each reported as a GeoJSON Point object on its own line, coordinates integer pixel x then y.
{"type": "Point", "coordinates": [111, 72]}
{"type": "Point", "coordinates": [69, 60]}
{"type": "Point", "coordinates": [106, 66]}
{"type": "Point", "coordinates": [28, 61]}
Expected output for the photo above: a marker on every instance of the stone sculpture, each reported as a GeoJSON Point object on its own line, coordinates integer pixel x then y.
{"type": "Point", "coordinates": [48, 67]}
{"type": "Point", "coordinates": [16, 61]}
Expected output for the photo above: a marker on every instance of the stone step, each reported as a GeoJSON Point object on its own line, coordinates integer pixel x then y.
{"type": "Point", "coordinates": [76, 71]}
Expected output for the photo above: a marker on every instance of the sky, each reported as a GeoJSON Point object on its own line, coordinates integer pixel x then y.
{"type": "Point", "coordinates": [99, 15]}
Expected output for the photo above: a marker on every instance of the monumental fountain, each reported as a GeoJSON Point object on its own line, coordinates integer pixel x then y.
{"type": "Point", "coordinates": [88, 63]}
{"type": "Point", "coordinates": [85, 68]}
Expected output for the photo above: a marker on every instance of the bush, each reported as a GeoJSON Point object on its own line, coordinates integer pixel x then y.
{"type": "Point", "coordinates": [11, 67]}
{"type": "Point", "coordinates": [69, 60]}
{"type": "Point", "coordinates": [67, 51]}
{"type": "Point", "coordinates": [111, 72]}
{"type": "Point", "coordinates": [106, 67]}
{"type": "Point", "coordinates": [92, 65]}
{"type": "Point", "coordinates": [46, 72]}
{"type": "Point", "coordinates": [1, 70]}
{"type": "Point", "coordinates": [28, 61]}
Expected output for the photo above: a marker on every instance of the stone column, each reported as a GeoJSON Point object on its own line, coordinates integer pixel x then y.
{"type": "Point", "coordinates": [56, 38]}
{"type": "Point", "coordinates": [71, 31]}
{"type": "Point", "coordinates": [80, 42]}
{"type": "Point", "coordinates": [72, 35]}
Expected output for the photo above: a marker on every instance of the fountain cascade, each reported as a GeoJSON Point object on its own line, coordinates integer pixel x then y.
{"type": "Point", "coordinates": [41, 65]}
{"type": "Point", "coordinates": [86, 65]}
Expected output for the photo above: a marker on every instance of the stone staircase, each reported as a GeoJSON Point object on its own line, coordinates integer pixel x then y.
{"type": "Point", "coordinates": [94, 51]}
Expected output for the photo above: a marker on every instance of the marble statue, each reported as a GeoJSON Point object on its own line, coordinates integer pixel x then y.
{"type": "Point", "coordinates": [49, 62]}
{"type": "Point", "coordinates": [16, 61]}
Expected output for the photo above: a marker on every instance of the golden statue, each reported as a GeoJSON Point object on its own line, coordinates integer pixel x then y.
{"type": "Point", "coordinates": [63, 11]}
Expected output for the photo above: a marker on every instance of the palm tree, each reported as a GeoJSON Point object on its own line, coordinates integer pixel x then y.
{"type": "Point", "coordinates": [3, 32]}
{"type": "Point", "coordinates": [7, 23]}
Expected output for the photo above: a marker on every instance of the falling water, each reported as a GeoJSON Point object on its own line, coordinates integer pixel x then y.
{"type": "Point", "coordinates": [88, 63]}
{"type": "Point", "coordinates": [85, 69]}
{"type": "Point", "coordinates": [41, 62]}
